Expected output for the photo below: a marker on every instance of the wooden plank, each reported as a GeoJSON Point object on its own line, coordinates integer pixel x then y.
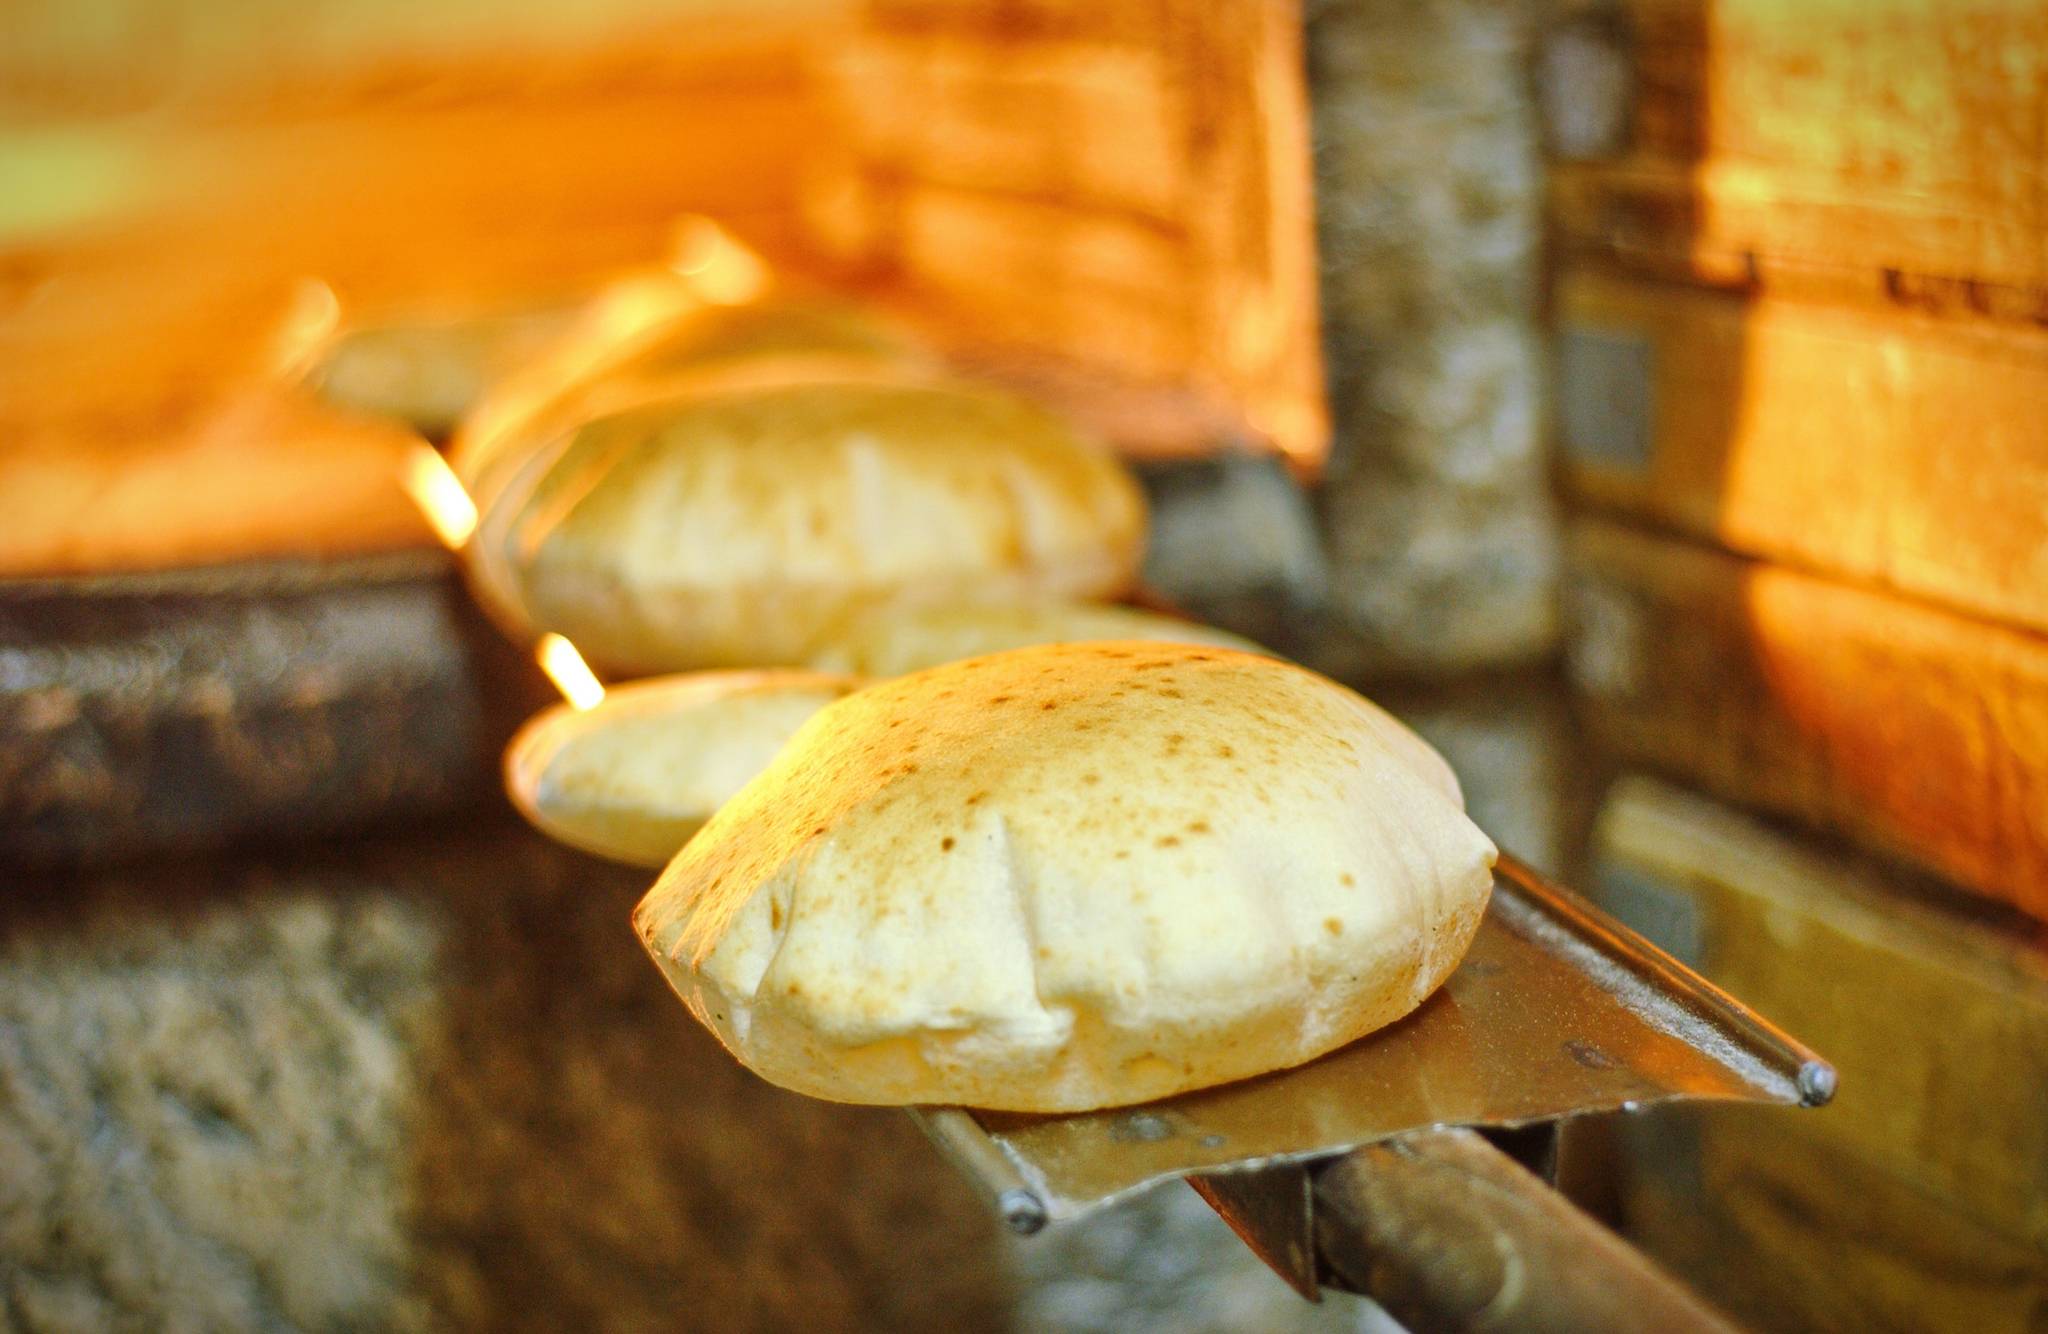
{"type": "Point", "coordinates": [472, 176]}
{"type": "Point", "coordinates": [1919, 732]}
{"type": "Point", "coordinates": [201, 60]}
{"type": "Point", "coordinates": [941, 114]}
{"type": "Point", "coordinates": [1823, 137]}
{"type": "Point", "coordinates": [1120, 196]}
{"type": "Point", "coordinates": [1085, 186]}
{"type": "Point", "coordinates": [1789, 1232]}
{"type": "Point", "coordinates": [1130, 22]}
{"type": "Point", "coordinates": [1888, 447]}
{"type": "Point", "coordinates": [1101, 287]}
{"type": "Point", "coordinates": [1856, 963]}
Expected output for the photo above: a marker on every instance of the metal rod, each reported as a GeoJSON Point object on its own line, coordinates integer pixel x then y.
{"type": "Point", "coordinates": [983, 1161]}
{"type": "Point", "coordinates": [1449, 1234]}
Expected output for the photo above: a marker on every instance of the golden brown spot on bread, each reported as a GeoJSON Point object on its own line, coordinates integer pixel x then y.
{"type": "Point", "coordinates": [946, 844]}
{"type": "Point", "coordinates": [1199, 827]}
{"type": "Point", "coordinates": [774, 916]}
{"type": "Point", "coordinates": [976, 799]}
{"type": "Point", "coordinates": [1170, 841]}
{"type": "Point", "coordinates": [1050, 704]}
{"type": "Point", "coordinates": [1225, 753]}
{"type": "Point", "coordinates": [1333, 926]}
{"type": "Point", "coordinates": [1000, 699]}
{"type": "Point", "coordinates": [1348, 880]}
{"type": "Point", "coordinates": [1090, 779]}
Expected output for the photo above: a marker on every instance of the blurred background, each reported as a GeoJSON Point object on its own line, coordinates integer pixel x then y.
{"type": "Point", "coordinates": [1648, 399]}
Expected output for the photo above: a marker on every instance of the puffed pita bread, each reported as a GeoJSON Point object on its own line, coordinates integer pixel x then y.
{"type": "Point", "coordinates": [735, 526]}
{"type": "Point", "coordinates": [634, 777]}
{"type": "Point", "coordinates": [1072, 876]}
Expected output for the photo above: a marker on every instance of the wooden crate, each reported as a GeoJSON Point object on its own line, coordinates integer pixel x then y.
{"type": "Point", "coordinates": [1855, 961]}
{"type": "Point", "coordinates": [1888, 447]}
{"type": "Point", "coordinates": [1891, 149]}
{"type": "Point", "coordinates": [1786, 1231]}
{"type": "Point", "coordinates": [1108, 202]}
{"type": "Point", "coordinates": [1919, 1197]}
{"type": "Point", "coordinates": [1110, 209]}
{"type": "Point", "coordinates": [1914, 730]}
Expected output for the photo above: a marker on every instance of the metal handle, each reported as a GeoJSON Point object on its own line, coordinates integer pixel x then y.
{"type": "Point", "coordinates": [1448, 1233]}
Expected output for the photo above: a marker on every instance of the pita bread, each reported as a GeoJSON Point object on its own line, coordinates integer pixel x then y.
{"type": "Point", "coordinates": [633, 778]}
{"type": "Point", "coordinates": [1069, 877]}
{"type": "Point", "coordinates": [736, 527]}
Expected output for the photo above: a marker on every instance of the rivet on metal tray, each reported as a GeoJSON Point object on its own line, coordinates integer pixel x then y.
{"type": "Point", "coordinates": [1816, 1083]}
{"type": "Point", "coordinates": [1022, 1212]}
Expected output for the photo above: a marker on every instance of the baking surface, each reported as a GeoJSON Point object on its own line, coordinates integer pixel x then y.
{"type": "Point", "coordinates": [1555, 1011]}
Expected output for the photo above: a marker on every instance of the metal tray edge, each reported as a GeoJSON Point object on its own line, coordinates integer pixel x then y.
{"type": "Point", "coordinates": [1026, 1205]}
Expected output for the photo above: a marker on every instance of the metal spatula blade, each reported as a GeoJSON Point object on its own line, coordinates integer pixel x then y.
{"type": "Point", "coordinates": [1556, 1011]}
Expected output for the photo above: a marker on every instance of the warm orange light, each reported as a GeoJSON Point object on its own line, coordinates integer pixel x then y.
{"type": "Point", "coordinates": [1297, 428]}
{"type": "Point", "coordinates": [309, 323]}
{"type": "Point", "coordinates": [438, 492]}
{"type": "Point", "coordinates": [571, 675]}
{"type": "Point", "coordinates": [618, 316]}
{"type": "Point", "coordinates": [718, 266]}
{"type": "Point", "coordinates": [715, 268]}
